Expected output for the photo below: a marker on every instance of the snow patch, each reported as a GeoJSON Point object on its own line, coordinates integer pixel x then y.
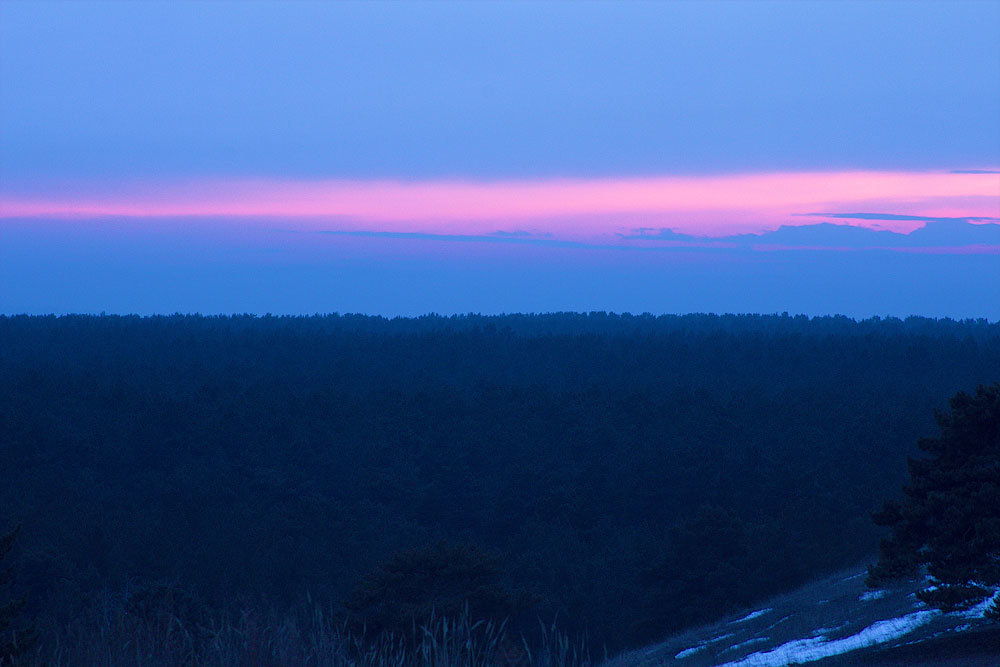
{"type": "Point", "coordinates": [868, 596]}
{"type": "Point", "coordinates": [778, 622]}
{"type": "Point", "coordinates": [755, 640]}
{"type": "Point", "coordinates": [979, 610]}
{"type": "Point", "coordinates": [689, 651]}
{"type": "Point", "coordinates": [694, 649]}
{"type": "Point", "coordinates": [750, 616]}
{"type": "Point", "coordinates": [825, 631]}
{"type": "Point", "coordinates": [785, 654]}
{"type": "Point", "coordinates": [817, 648]}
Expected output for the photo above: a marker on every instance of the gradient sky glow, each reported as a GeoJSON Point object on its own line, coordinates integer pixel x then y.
{"type": "Point", "coordinates": [186, 156]}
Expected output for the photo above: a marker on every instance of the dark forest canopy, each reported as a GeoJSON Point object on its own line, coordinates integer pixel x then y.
{"type": "Point", "coordinates": [596, 458]}
{"type": "Point", "coordinates": [573, 323]}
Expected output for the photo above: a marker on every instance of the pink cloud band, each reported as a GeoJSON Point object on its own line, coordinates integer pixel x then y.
{"type": "Point", "coordinates": [710, 205]}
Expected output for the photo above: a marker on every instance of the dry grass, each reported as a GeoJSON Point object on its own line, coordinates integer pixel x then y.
{"type": "Point", "coordinates": [111, 635]}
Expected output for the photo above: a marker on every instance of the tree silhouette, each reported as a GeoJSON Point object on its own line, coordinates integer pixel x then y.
{"type": "Point", "coordinates": [949, 517]}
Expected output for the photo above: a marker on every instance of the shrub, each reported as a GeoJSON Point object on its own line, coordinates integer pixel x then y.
{"type": "Point", "coordinates": [419, 585]}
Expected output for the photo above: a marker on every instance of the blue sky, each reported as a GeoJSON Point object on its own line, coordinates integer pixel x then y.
{"type": "Point", "coordinates": [114, 113]}
{"type": "Point", "coordinates": [495, 89]}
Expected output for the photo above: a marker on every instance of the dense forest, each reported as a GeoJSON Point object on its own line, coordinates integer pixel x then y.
{"type": "Point", "coordinates": [630, 474]}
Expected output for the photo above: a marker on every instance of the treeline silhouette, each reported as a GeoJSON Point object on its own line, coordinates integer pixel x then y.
{"type": "Point", "coordinates": [632, 474]}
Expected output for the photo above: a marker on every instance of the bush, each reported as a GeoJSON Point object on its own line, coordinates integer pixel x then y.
{"type": "Point", "coordinates": [419, 585]}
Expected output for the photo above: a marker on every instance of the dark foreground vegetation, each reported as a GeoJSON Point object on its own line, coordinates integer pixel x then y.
{"type": "Point", "coordinates": [627, 475]}
{"type": "Point", "coordinates": [949, 516]}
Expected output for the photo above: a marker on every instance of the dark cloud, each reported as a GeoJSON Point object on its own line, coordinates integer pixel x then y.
{"type": "Point", "coordinates": [935, 232]}
{"type": "Point", "coordinates": [655, 234]}
{"type": "Point", "coordinates": [496, 237]}
{"type": "Point", "coordinates": [897, 216]}
{"type": "Point", "coordinates": [521, 233]}
{"type": "Point", "coordinates": [702, 244]}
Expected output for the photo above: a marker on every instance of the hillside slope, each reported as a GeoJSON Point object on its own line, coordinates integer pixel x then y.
{"type": "Point", "coordinates": [829, 623]}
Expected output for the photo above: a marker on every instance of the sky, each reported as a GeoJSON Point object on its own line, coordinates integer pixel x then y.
{"type": "Point", "coordinates": [402, 158]}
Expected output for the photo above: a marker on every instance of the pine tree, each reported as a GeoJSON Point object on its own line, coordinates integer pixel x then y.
{"type": "Point", "coordinates": [949, 517]}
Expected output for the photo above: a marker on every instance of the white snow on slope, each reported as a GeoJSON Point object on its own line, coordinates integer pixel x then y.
{"type": "Point", "coordinates": [750, 616]}
{"type": "Point", "coordinates": [867, 596]}
{"type": "Point", "coordinates": [826, 631]}
{"type": "Point", "coordinates": [817, 648]}
{"type": "Point", "coordinates": [694, 649]}
{"type": "Point", "coordinates": [979, 610]}
{"type": "Point", "coordinates": [755, 640]}
{"type": "Point", "coordinates": [690, 651]}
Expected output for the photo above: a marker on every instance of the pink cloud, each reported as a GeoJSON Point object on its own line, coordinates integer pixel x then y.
{"type": "Point", "coordinates": [569, 208]}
